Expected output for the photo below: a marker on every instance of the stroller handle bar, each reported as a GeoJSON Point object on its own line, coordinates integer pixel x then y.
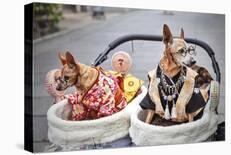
{"type": "Point", "coordinates": [103, 56]}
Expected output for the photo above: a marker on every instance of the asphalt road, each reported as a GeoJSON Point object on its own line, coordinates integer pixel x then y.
{"type": "Point", "coordinates": [86, 43]}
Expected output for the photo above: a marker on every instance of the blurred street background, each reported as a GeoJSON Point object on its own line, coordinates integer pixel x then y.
{"type": "Point", "coordinates": [86, 31]}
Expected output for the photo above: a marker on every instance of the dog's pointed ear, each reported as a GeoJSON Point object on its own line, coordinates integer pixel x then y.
{"type": "Point", "coordinates": [70, 60]}
{"type": "Point", "coordinates": [62, 58]}
{"type": "Point", "coordinates": [167, 35]}
{"type": "Point", "coordinates": [182, 33]}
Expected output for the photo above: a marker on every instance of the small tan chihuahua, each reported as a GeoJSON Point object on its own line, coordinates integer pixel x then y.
{"type": "Point", "coordinates": [97, 95]}
{"type": "Point", "coordinates": [177, 54]}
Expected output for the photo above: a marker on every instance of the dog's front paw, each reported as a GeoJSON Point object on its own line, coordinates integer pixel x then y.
{"type": "Point", "coordinates": [181, 115]}
{"type": "Point", "coordinates": [181, 118]}
{"type": "Point", "coordinates": [159, 110]}
{"type": "Point", "coordinates": [160, 113]}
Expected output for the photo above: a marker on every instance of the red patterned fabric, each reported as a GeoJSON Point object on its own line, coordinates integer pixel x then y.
{"type": "Point", "coordinates": [103, 99]}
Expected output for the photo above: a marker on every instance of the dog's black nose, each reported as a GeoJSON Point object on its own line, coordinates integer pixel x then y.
{"type": "Point", "coordinates": [58, 88]}
{"type": "Point", "coordinates": [193, 62]}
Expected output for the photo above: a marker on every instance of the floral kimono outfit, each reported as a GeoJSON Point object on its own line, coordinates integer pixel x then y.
{"type": "Point", "coordinates": [103, 99]}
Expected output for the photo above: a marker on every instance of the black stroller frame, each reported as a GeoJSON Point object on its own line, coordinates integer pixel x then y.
{"type": "Point", "coordinates": [144, 37]}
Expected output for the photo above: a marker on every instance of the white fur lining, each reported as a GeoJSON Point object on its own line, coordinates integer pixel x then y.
{"type": "Point", "coordinates": [144, 134]}
{"type": "Point", "coordinates": [67, 133]}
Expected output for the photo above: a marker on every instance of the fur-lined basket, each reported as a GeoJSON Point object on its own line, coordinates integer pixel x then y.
{"type": "Point", "coordinates": [144, 134]}
{"type": "Point", "coordinates": [72, 134]}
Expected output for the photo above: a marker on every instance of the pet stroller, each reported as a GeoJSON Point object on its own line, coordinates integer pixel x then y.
{"type": "Point", "coordinates": [112, 131]}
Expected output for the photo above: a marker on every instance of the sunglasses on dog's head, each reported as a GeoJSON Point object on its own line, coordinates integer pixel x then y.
{"type": "Point", "coordinates": [191, 50]}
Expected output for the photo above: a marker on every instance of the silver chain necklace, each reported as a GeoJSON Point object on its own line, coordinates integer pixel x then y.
{"type": "Point", "coordinates": [169, 92]}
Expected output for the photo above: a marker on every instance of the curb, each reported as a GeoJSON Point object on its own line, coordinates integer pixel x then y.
{"type": "Point", "coordinates": [62, 32]}
{"type": "Point", "coordinates": [53, 35]}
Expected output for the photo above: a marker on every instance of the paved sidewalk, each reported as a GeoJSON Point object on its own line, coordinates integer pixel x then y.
{"type": "Point", "coordinates": [74, 21]}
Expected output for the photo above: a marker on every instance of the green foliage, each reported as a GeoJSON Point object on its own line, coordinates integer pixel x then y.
{"type": "Point", "coordinates": [46, 18]}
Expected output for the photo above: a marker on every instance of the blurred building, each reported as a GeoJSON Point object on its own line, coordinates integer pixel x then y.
{"type": "Point", "coordinates": [84, 8]}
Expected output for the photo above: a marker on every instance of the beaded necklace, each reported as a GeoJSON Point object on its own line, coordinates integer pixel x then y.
{"type": "Point", "coordinates": [170, 92]}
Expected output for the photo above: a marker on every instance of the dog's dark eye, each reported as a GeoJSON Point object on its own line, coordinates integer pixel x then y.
{"type": "Point", "coordinates": [66, 78]}
{"type": "Point", "coordinates": [182, 52]}
{"type": "Point", "coordinates": [191, 50]}
{"type": "Point", "coordinates": [58, 79]}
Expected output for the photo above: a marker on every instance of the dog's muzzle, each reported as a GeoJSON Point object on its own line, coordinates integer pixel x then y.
{"type": "Point", "coordinates": [61, 84]}
{"type": "Point", "coordinates": [190, 64]}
